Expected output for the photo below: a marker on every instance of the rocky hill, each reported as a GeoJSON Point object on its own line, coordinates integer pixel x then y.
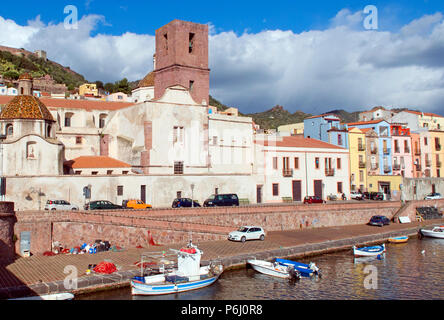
{"type": "Point", "coordinates": [14, 62]}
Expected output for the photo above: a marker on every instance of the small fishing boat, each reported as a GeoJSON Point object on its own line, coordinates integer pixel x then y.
{"type": "Point", "coordinates": [369, 251]}
{"type": "Point", "coordinates": [403, 239]}
{"type": "Point", "coordinates": [275, 269]}
{"type": "Point", "coordinates": [305, 269]}
{"type": "Point", "coordinates": [54, 296]}
{"type": "Point", "coordinates": [165, 278]}
{"type": "Point", "coordinates": [436, 232]}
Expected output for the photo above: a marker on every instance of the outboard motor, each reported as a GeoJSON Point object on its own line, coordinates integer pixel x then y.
{"type": "Point", "coordinates": [294, 274]}
{"type": "Point", "coordinates": [315, 269]}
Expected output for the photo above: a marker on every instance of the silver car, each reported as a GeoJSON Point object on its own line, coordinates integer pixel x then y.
{"type": "Point", "coordinates": [247, 233]}
{"type": "Point", "coordinates": [60, 205]}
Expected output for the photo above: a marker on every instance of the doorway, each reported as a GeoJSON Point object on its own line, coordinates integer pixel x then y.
{"type": "Point", "coordinates": [318, 188]}
{"type": "Point", "coordinates": [297, 190]}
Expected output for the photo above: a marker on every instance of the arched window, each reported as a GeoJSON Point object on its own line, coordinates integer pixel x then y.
{"type": "Point", "coordinates": [102, 120]}
{"type": "Point", "coordinates": [9, 129]}
{"type": "Point", "coordinates": [31, 150]}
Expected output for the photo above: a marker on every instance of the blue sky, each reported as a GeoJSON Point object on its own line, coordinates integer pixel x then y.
{"type": "Point", "coordinates": [313, 56]}
{"type": "Point", "coordinates": [255, 16]}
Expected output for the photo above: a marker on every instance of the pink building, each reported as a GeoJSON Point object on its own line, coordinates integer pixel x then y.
{"type": "Point", "coordinates": [401, 151]}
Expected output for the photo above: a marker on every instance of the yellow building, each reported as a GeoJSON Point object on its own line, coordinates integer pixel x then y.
{"type": "Point", "coordinates": [437, 152]}
{"type": "Point", "coordinates": [294, 128]}
{"type": "Point", "coordinates": [88, 89]}
{"type": "Point", "coordinates": [389, 185]}
{"type": "Point", "coordinates": [358, 166]}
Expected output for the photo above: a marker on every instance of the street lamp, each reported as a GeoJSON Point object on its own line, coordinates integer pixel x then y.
{"type": "Point", "coordinates": [192, 195]}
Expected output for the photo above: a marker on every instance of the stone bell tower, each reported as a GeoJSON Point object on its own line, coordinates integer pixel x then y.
{"type": "Point", "coordinates": [182, 59]}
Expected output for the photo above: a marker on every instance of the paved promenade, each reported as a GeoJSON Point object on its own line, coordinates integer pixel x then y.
{"type": "Point", "coordinates": [41, 274]}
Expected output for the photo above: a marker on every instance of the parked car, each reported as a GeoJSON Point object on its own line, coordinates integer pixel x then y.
{"type": "Point", "coordinates": [102, 205]}
{"type": "Point", "coordinates": [376, 196]}
{"type": "Point", "coordinates": [356, 195]}
{"type": "Point", "coordinates": [135, 204]}
{"type": "Point", "coordinates": [245, 233]}
{"type": "Point", "coordinates": [225, 200]}
{"type": "Point", "coordinates": [379, 221]}
{"type": "Point", "coordinates": [313, 199]}
{"type": "Point", "coordinates": [60, 205]}
{"type": "Point", "coordinates": [433, 196]}
{"type": "Point", "coordinates": [184, 203]}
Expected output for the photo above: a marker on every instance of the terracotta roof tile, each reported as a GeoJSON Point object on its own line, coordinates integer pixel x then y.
{"type": "Point", "coordinates": [365, 122]}
{"type": "Point", "coordinates": [87, 105]}
{"type": "Point", "coordinates": [300, 142]}
{"type": "Point", "coordinates": [25, 107]}
{"type": "Point", "coordinates": [148, 81]}
{"type": "Point", "coordinates": [96, 162]}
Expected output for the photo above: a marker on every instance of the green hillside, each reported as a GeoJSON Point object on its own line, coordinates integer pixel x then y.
{"type": "Point", "coordinates": [12, 66]}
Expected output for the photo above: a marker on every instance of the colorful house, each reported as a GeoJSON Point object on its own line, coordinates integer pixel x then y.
{"type": "Point", "coordinates": [358, 163]}
{"type": "Point", "coordinates": [437, 152]}
{"type": "Point", "coordinates": [382, 129]}
{"type": "Point", "coordinates": [401, 150]}
{"type": "Point", "coordinates": [327, 128]}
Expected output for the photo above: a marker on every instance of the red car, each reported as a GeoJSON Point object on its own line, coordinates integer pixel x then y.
{"type": "Point", "coordinates": [313, 199]}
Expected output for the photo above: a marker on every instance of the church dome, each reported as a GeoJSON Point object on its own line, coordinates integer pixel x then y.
{"type": "Point", "coordinates": [148, 81]}
{"type": "Point", "coordinates": [25, 76]}
{"type": "Point", "coordinates": [25, 107]}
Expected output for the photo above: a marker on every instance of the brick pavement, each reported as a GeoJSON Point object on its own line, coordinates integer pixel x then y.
{"type": "Point", "coordinates": [41, 274]}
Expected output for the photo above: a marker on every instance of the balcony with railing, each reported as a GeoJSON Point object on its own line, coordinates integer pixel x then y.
{"type": "Point", "coordinates": [361, 164]}
{"type": "Point", "coordinates": [396, 167]}
{"type": "Point", "coordinates": [361, 147]}
{"type": "Point", "coordinates": [374, 166]}
{"type": "Point", "coordinates": [387, 169]}
{"type": "Point", "coordinates": [417, 152]}
{"type": "Point", "coordinates": [287, 172]}
{"type": "Point", "coordinates": [329, 172]}
{"type": "Point", "coordinates": [406, 149]}
{"type": "Point", "coordinates": [374, 151]}
{"type": "Point", "coordinates": [418, 167]}
{"type": "Point", "coordinates": [386, 150]}
{"type": "Point", "coordinates": [428, 163]}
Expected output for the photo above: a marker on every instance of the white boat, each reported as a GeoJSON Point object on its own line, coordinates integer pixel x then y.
{"type": "Point", "coordinates": [436, 232]}
{"type": "Point", "coordinates": [305, 269]}
{"type": "Point", "coordinates": [274, 269]}
{"type": "Point", "coordinates": [369, 251]}
{"type": "Point", "coordinates": [55, 296]}
{"type": "Point", "coordinates": [164, 278]}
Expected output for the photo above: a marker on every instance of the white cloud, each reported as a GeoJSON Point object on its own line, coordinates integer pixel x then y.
{"type": "Point", "coordinates": [343, 66]}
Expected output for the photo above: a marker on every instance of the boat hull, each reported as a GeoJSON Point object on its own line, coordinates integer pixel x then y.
{"type": "Point", "coordinates": [398, 240]}
{"type": "Point", "coordinates": [55, 296]}
{"type": "Point", "coordinates": [268, 268]}
{"type": "Point", "coordinates": [369, 251]}
{"type": "Point", "coordinates": [140, 288]}
{"type": "Point", "coordinates": [303, 268]}
{"type": "Point", "coordinates": [432, 234]}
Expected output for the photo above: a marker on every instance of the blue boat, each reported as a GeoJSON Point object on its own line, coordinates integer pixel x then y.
{"type": "Point", "coordinates": [305, 269]}
{"type": "Point", "coordinates": [369, 251]}
{"type": "Point", "coordinates": [163, 279]}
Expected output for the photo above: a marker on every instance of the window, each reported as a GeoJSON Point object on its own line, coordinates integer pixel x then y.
{"type": "Point", "coordinates": [30, 150]}
{"type": "Point", "coordinates": [9, 129]}
{"type": "Point", "coordinates": [339, 187]}
{"type": "Point", "coordinates": [361, 175]}
{"type": "Point", "coordinates": [178, 167]}
{"type": "Point", "coordinates": [179, 194]}
{"type": "Point", "coordinates": [165, 42]}
{"type": "Point", "coordinates": [78, 140]}
{"type": "Point", "coordinates": [178, 135]}
{"type": "Point", "coordinates": [275, 163]}
{"type": "Point", "coordinates": [191, 43]}
{"type": "Point", "coordinates": [425, 141]}
{"type": "Point", "coordinates": [317, 163]}
{"type": "Point", "coordinates": [340, 139]}
{"type": "Point", "coordinates": [338, 163]}
{"type": "Point", "coordinates": [296, 163]}
{"type": "Point", "coordinates": [94, 173]}
{"type": "Point", "coordinates": [109, 172]}
{"type": "Point", "coordinates": [102, 121]}
{"type": "Point", "coordinates": [214, 140]}
{"type": "Point", "coordinates": [68, 121]}
{"type": "Point", "coordinates": [120, 190]}
{"type": "Point", "coordinates": [125, 172]}
{"type": "Point", "coordinates": [78, 172]}
{"type": "Point", "coordinates": [191, 85]}
{"type": "Point", "coordinates": [275, 189]}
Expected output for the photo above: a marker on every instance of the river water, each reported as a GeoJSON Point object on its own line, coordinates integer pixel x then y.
{"type": "Point", "coordinates": [409, 271]}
